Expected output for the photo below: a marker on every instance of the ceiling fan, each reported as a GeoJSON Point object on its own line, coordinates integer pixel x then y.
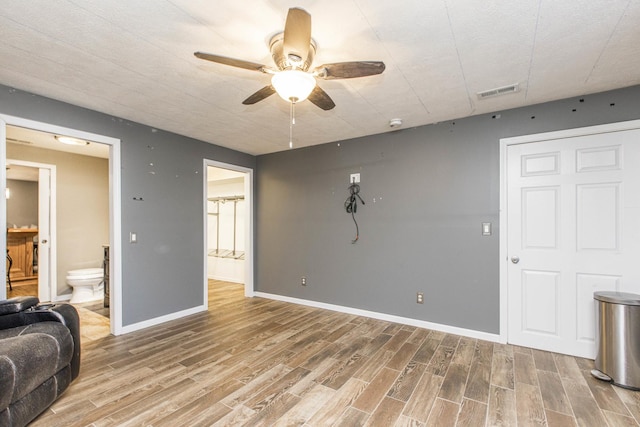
{"type": "Point", "coordinates": [293, 52]}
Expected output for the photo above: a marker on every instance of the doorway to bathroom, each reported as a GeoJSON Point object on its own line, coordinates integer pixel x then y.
{"type": "Point", "coordinates": [228, 224]}
{"type": "Point", "coordinates": [88, 206]}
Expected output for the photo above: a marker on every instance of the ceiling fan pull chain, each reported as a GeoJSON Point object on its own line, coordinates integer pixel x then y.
{"type": "Point", "coordinates": [291, 122]}
{"type": "Point", "coordinates": [293, 113]}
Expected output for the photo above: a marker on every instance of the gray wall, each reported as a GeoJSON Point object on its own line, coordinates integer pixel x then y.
{"type": "Point", "coordinates": [427, 192]}
{"type": "Point", "coordinates": [82, 207]}
{"type": "Point", "coordinates": [164, 272]}
{"type": "Point", "coordinates": [22, 207]}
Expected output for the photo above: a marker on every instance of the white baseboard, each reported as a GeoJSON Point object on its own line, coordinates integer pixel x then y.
{"type": "Point", "coordinates": [158, 320]}
{"type": "Point", "coordinates": [387, 317]}
{"type": "Point", "coordinates": [63, 297]}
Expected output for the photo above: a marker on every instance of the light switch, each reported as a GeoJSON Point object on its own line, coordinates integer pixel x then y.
{"type": "Point", "coordinates": [133, 237]}
{"type": "Point", "coordinates": [486, 229]}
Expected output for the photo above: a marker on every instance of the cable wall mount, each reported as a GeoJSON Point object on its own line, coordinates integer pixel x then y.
{"type": "Point", "coordinates": [351, 206]}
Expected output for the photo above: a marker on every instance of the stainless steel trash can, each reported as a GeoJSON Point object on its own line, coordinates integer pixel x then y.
{"type": "Point", "coordinates": [618, 338]}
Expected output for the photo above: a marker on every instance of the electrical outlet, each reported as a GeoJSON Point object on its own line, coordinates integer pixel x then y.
{"type": "Point", "coordinates": [420, 298]}
{"type": "Point", "coordinates": [354, 178]}
{"type": "Point", "coordinates": [303, 281]}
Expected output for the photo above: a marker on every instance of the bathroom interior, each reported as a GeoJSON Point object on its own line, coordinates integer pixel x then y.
{"type": "Point", "coordinates": [78, 222]}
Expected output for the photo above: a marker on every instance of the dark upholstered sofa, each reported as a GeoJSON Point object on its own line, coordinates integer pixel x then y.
{"type": "Point", "coordinates": [39, 356]}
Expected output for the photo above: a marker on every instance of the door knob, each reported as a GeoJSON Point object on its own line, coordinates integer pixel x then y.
{"type": "Point", "coordinates": [515, 259]}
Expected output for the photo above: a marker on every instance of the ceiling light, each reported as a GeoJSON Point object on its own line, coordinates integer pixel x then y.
{"type": "Point", "coordinates": [293, 85]}
{"type": "Point", "coordinates": [71, 141]}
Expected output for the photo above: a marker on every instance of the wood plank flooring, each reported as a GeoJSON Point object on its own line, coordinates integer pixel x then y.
{"type": "Point", "coordinates": [22, 289]}
{"type": "Point", "coordinates": [256, 362]}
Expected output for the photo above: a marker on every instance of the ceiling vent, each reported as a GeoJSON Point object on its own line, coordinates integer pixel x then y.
{"type": "Point", "coordinates": [504, 90]}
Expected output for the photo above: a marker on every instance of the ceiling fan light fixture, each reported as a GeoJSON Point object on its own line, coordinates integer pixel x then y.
{"type": "Point", "coordinates": [71, 141]}
{"type": "Point", "coordinates": [293, 85]}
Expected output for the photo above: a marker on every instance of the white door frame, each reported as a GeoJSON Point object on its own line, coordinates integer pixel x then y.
{"type": "Point", "coordinates": [115, 197]}
{"type": "Point", "coordinates": [504, 226]}
{"type": "Point", "coordinates": [50, 291]}
{"type": "Point", "coordinates": [248, 235]}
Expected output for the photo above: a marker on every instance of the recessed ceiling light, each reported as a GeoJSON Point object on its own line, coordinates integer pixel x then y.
{"type": "Point", "coordinates": [71, 141]}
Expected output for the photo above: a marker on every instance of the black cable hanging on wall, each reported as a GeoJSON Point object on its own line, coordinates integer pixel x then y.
{"type": "Point", "coordinates": [351, 206]}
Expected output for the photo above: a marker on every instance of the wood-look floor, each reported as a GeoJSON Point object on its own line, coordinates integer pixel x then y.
{"type": "Point", "coordinates": [258, 362]}
{"type": "Point", "coordinates": [22, 289]}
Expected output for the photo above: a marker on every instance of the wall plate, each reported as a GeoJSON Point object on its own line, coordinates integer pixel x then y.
{"type": "Point", "coordinates": [486, 229]}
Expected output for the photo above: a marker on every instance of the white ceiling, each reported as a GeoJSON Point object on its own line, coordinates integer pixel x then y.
{"type": "Point", "coordinates": [134, 59]}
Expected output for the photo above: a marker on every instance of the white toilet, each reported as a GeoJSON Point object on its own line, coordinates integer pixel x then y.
{"type": "Point", "coordinates": [87, 284]}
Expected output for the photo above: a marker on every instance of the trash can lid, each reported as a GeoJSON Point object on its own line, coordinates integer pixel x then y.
{"type": "Point", "coordinates": [617, 297]}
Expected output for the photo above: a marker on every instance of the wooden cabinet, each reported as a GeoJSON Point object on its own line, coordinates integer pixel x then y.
{"type": "Point", "coordinates": [105, 269]}
{"type": "Point", "coordinates": [20, 246]}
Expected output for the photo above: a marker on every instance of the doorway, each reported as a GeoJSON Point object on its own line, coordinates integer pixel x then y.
{"type": "Point", "coordinates": [114, 197]}
{"type": "Point", "coordinates": [228, 219]}
{"type": "Point", "coordinates": [570, 201]}
{"type": "Point", "coordinates": [31, 226]}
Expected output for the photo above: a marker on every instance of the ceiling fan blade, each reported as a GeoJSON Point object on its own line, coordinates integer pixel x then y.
{"type": "Point", "coordinates": [263, 93]}
{"type": "Point", "coordinates": [297, 35]}
{"type": "Point", "coordinates": [349, 70]}
{"type": "Point", "coordinates": [247, 65]}
{"type": "Point", "coordinates": [320, 98]}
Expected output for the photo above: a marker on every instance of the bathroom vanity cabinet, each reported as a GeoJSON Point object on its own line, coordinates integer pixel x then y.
{"type": "Point", "coordinates": [20, 246]}
{"type": "Point", "coordinates": [105, 269]}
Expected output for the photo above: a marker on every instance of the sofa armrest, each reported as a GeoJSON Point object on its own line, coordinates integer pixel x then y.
{"type": "Point", "coordinates": [61, 313]}
{"type": "Point", "coordinates": [16, 305]}
{"type": "Point", "coordinates": [68, 316]}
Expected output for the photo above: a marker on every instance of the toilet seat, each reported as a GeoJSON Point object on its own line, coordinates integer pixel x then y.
{"type": "Point", "coordinates": [85, 273]}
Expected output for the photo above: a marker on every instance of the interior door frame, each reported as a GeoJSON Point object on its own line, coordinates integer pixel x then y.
{"type": "Point", "coordinates": [249, 290]}
{"type": "Point", "coordinates": [504, 226]}
{"type": "Point", "coordinates": [115, 209]}
{"type": "Point", "coordinates": [49, 292]}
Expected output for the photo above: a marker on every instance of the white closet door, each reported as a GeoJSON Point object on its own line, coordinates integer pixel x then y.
{"type": "Point", "coordinates": [573, 229]}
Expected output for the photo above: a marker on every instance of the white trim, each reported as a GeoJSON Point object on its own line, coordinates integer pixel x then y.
{"type": "Point", "coordinates": [205, 248]}
{"type": "Point", "coordinates": [64, 297]}
{"type": "Point", "coordinates": [504, 226]}
{"type": "Point", "coordinates": [3, 202]}
{"type": "Point", "coordinates": [115, 239]}
{"type": "Point", "coordinates": [249, 289]}
{"type": "Point", "coordinates": [248, 244]}
{"type": "Point", "coordinates": [115, 200]}
{"type": "Point", "coordinates": [502, 250]}
{"type": "Point", "coordinates": [570, 133]}
{"type": "Point", "coordinates": [386, 317]}
{"type": "Point", "coordinates": [162, 319]}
